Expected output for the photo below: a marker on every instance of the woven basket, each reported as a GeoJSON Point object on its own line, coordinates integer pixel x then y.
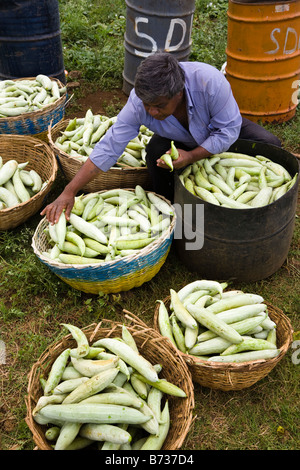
{"type": "Point", "coordinates": [125, 177]}
{"type": "Point", "coordinates": [152, 347]}
{"type": "Point", "coordinates": [35, 123]}
{"type": "Point", "coordinates": [237, 376]}
{"type": "Point", "coordinates": [110, 276]}
{"type": "Point", "coordinates": [41, 159]}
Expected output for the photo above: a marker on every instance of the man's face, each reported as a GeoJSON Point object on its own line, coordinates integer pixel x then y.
{"type": "Point", "coordinates": [163, 106]}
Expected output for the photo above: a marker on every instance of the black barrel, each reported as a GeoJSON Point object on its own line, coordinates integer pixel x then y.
{"type": "Point", "coordinates": [243, 244]}
{"type": "Point", "coordinates": [30, 39]}
{"type": "Point", "coordinates": [153, 25]}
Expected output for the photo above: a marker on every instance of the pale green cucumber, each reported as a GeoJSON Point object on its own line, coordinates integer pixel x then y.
{"type": "Point", "coordinates": [8, 198]}
{"type": "Point", "coordinates": [105, 432]}
{"type": "Point", "coordinates": [80, 338]}
{"type": "Point", "coordinates": [213, 287]}
{"type": "Point", "coordinates": [87, 228]}
{"type": "Point", "coordinates": [47, 400]}
{"type": "Point", "coordinates": [235, 301]}
{"type": "Point", "coordinates": [210, 321]}
{"type": "Point", "coordinates": [164, 385]}
{"type": "Point", "coordinates": [249, 344]}
{"type": "Point", "coordinates": [77, 259]}
{"type": "Point", "coordinates": [164, 324]}
{"type": "Point", "coordinates": [178, 334]}
{"type": "Point", "coordinates": [93, 413]}
{"type": "Point", "coordinates": [19, 187]}
{"type": "Point", "coordinates": [211, 346]}
{"type": "Point", "coordinates": [131, 357]}
{"type": "Point", "coordinates": [128, 338]}
{"type": "Point", "coordinates": [181, 312]}
{"type": "Point", "coordinates": [67, 386]}
{"type": "Point", "coordinates": [155, 442]}
{"type": "Point", "coordinates": [115, 398]}
{"type": "Point", "coordinates": [247, 356]}
{"type": "Point", "coordinates": [91, 367]}
{"type": "Point", "coordinates": [56, 371]}
{"type": "Point", "coordinates": [243, 327]}
{"type": "Point", "coordinates": [92, 386]}
{"type": "Point", "coordinates": [67, 435]}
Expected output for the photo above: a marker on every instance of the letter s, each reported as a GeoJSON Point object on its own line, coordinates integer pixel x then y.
{"type": "Point", "coordinates": [275, 41]}
{"type": "Point", "coordinates": [138, 20]}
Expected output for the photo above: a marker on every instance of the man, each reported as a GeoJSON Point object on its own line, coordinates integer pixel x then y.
{"type": "Point", "coordinates": [188, 102]}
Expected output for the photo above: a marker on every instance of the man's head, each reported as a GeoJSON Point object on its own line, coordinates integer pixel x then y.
{"type": "Point", "coordinates": [159, 83]}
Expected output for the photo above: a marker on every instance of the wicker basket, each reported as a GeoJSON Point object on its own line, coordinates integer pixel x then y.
{"type": "Point", "coordinates": [41, 159]}
{"type": "Point", "coordinates": [125, 177]}
{"type": "Point", "coordinates": [110, 276]}
{"type": "Point", "coordinates": [35, 123]}
{"type": "Point", "coordinates": [237, 376]}
{"type": "Point", "coordinates": [152, 347]}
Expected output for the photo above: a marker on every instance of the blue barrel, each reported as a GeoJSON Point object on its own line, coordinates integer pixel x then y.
{"type": "Point", "coordinates": [153, 25]}
{"type": "Point", "coordinates": [30, 39]}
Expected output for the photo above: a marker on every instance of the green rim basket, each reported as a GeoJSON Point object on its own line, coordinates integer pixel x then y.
{"type": "Point", "coordinates": [35, 123]}
{"type": "Point", "coordinates": [152, 346]}
{"type": "Point", "coordinates": [109, 276]}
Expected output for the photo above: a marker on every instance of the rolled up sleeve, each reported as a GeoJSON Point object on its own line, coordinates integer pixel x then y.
{"type": "Point", "coordinates": [225, 123]}
{"type": "Point", "coordinates": [108, 150]}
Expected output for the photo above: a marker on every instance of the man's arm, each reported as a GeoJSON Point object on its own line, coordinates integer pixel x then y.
{"type": "Point", "coordinates": [104, 155]}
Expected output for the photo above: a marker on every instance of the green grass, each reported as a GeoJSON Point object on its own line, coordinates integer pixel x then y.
{"type": "Point", "coordinates": [34, 302]}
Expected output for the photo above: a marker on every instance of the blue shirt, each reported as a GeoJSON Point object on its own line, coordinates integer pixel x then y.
{"type": "Point", "coordinates": [213, 115]}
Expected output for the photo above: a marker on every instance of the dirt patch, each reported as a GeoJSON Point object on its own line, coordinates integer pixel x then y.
{"type": "Point", "coordinates": [84, 96]}
{"type": "Point", "coordinates": [99, 101]}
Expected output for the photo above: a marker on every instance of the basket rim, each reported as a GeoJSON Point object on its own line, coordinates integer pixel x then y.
{"type": "Point", "coordinates": [106, 264]}
{"type": "Point", "coordinates": [232, 366]}
{"type": "Point", "coordinates": [37, 143]}
{"type": "Point", "coordinates": [38, 112]}
{"type": "Point", "coordinates": [79, 163]}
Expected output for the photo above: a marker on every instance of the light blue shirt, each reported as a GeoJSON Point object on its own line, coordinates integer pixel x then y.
{"type": "Point", "coordinates": [213, 115]}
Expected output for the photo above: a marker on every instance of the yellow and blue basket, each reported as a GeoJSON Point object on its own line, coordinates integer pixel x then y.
{"type": "Point", "coordinates": [36, 123]}
{"type": "Point", "coordinates": [108, 276]}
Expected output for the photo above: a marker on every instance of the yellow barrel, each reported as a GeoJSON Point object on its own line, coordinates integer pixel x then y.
{"type": "Point", "coordinates": [263, 58]}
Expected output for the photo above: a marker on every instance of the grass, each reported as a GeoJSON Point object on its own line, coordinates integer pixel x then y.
{"type": "Point", "coordinates": [34, 302]}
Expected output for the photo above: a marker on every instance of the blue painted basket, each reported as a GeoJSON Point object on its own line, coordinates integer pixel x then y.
{"type": "Point", "coordinates": [109, 276]}
{"type": "Point", "coordinates": [36, 123]}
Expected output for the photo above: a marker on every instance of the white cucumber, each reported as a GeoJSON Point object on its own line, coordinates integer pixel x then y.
{"type": "Point", "coordinates": [93, 413]}
{"type": "Point", "coordinates": [247, 356]}
{"type": "Point", "coordinates": [92, 386]}
{"type": "Point", "coordinates": [218, 326]}
{"type": "Point", "coordinates": [105, 432]}
{"type": "Point", "coordinates": [181, 312]}
{"type": "Point", "coordinates": [8, 197]}
{"type": "Point", "coordinates": [131, 357]}
{"type": "Point", "coordinates": [91, 367]}
{"type": "Point", "coordinates": [87, 228]}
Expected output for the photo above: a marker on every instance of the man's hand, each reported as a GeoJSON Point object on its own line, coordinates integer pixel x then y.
{"type": "Point", "coordinates": [64, 202]}
{"type": "Point", "coordinates": [185, 157]}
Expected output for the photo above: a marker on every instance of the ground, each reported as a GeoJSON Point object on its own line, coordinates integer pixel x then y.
{"type": "Point", "coordinates": [83, 97]}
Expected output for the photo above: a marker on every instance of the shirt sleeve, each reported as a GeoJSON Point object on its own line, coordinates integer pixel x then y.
{"type": "Point", "coordinates": [107, 151]}
{"type": "Point", "coordinates": [225, 122]}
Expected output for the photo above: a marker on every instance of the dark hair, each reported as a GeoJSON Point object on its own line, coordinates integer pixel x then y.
{"type": "Point", "coordinates": [158, 75]}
